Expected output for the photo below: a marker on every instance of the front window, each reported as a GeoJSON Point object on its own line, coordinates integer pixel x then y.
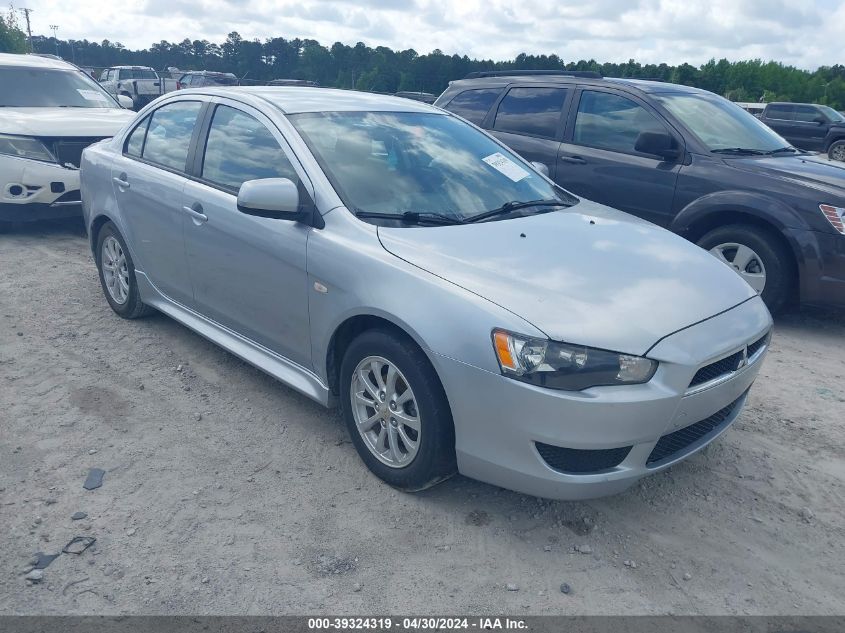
{"type": "Point", "coordinates": [721, 124]}
{"type": "Point", "coordinates": [45, 88]}
{"type": "Point", "coordinates": [401, 162]}
{"type": "Point", "coordinates": [832, 115]}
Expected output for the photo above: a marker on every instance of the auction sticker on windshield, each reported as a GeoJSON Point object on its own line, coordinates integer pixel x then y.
{"type": "Point", "coordinates": [504, 165]}
{"type": "Point", "coordinates": [91, 95]}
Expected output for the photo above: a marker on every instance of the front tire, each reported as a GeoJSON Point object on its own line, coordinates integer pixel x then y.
{"type": "Point", "coordinates": [396, 411]}
{"type": "Point", "coordinates": [837, 151]}
{"type": "Point", "coordinates": [757, 256]}
{"type": "Point", "coordinates": [117, 274]}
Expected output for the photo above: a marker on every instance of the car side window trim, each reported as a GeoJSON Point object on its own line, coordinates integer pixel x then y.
{"type": "Point", "coordinates": [204, 107]}
{"type": "Point", "coordinates": [569, 135]}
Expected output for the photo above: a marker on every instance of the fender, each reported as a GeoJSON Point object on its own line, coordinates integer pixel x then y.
{"type": "Point", "coordinates": [836, 134]}
{"type": "Point", "coordinates": [763, 207]}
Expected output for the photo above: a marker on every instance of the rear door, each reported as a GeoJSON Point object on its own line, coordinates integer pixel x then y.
{"type": "Point", "coordinates": [148, 180]}
{"type": "Point", "coordinates": [529, 120]}
{"type": "Point", "coordinates": [598, 159]}
{"type": "Point", "coordinates": [248, 272]}
{"type": "Point", "coordinates": [781, 118]}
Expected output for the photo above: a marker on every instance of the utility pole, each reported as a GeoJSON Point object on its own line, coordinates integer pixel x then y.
{"type": "Point", "coordinates": [26, 13]}
{"type": "Point", "coordinates": [54, 28]}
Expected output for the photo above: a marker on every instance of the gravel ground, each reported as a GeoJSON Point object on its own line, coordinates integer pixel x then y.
{"type": "Point", "coordinates": [227, 493]}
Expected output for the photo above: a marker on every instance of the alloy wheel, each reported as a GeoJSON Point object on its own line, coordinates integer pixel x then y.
{"type": "Point", "coordinates": [744, 261]}
{"type": "Point", "coordinates": [838, 152]}
{"type": "Point", "coordinates": [115, 270]}
{"type": "Point", "coordinates": [385, 411]}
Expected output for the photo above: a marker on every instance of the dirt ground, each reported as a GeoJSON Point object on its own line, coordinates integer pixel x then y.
{"type": "Point", "coordinates": [227, 493]}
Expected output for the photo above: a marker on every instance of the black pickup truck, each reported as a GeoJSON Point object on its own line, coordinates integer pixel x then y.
{"type": "Point", "coordinates": [817, 128]}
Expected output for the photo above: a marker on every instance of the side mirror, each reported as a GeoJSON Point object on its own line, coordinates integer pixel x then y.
{"type": "Point", "coordinates": [541, 167]}
{"type": "Point", "coordinates": [660, 144]}
{"type": "Point", "coordinates": [820, 120]}
{"type": "Point", "coordinates": [276, 198]}
{"type": "Point", "coordinates": [125, 102]}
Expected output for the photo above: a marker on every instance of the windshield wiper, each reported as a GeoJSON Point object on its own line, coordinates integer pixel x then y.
{"type": "Point", "coordinates": [781, 150]}
{"type": "Point", "coordinates": [513, 205]}
{"type": "Point", "coordinates": [412, 217]}
{"type": "Point", "coordinates": [740, 150]}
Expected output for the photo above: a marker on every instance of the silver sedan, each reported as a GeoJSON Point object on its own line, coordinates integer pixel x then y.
{"type": "Point", "coordinates": [387, 257]}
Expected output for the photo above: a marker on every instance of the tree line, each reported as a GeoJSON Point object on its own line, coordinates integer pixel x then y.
{"type": "Point", "coordinates": [381, 69]}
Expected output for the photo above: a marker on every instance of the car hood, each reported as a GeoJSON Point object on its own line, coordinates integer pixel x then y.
{"type": "Point", "coordinates": [811, 171]}
{"type": "Point", "coordinates": [587, 275]}
{"type": "Point", "coordinates": [63, 121]}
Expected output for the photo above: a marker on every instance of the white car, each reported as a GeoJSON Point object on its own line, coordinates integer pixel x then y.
{"type": "Point", "coordinates": [49, 112]}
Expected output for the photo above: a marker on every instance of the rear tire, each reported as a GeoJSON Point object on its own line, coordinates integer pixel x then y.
{"type": "Point", "coordinates": [126, 302]}
{"type": "Point", "coordinates": [775, 258]}
{"type": "Point", "coordinates": [837, 151]}
{"type": "Point", "coordinates": [433, 457]}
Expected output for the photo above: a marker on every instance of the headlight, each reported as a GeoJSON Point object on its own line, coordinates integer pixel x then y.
{"type": "Point", "coordinates": [562, 366]}
{"type": "Point", "coordinates": [25, 147]}
{"type": "Point", "coordinates": [835, 216]}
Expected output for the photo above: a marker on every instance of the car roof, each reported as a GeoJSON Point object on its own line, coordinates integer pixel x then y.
{"type": "Point", "coordinates": [643, 85]}
{"type": "Point", "coordinates": [298, 99]}
{"type": "Point", "coordinates": [208, 72]}
{"type": "Point", "coordinates": [34, 61]}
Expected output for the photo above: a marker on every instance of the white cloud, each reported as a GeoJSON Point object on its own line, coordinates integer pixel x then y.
{"type": "Point", "coordinates": [673, 31]}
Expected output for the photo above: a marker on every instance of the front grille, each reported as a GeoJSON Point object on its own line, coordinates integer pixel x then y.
{"type": "Point", "coordinates": [576, 461]}
{"type": "Point", "coordinates": [754, 347]}
{"type": "Point", "coordinates": [717, 369]}
{"type": "Point", "coordinates": [674, 443]}
{"type": "Point", "coordinates": [68, 150]}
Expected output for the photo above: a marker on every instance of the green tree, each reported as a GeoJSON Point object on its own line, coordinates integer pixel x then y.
{"type": "Point", "coordinates": [12, 38]}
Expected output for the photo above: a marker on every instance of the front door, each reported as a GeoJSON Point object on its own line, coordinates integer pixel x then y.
{"type": "Point", "coordinates": [248, 272]}
{"type": "Point", "coordinates": [599, 162]}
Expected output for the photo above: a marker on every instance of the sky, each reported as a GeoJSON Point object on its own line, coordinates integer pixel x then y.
{"type": "Point", "coordinates": [804, 33]}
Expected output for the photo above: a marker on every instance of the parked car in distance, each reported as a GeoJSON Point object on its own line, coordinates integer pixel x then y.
{"type": "Point", "coordinates": [203, 78]}
{"type": "Point", "coordinates": [813, 127]}
{"type": "Point", "coordinates": [142, 84]}
{"type": "Point", "coordinates": [685, 159]}
{"type": "Point", "coordinates": [465, 312]}
{"type": "Point", "coordinates": [293, 82]}
{"type": "Point", "coordinates": [752, 108]}
{"type": "Point", "coordinates": [49, 111]}
{"type": "Point", "coordinates": [425, 97]}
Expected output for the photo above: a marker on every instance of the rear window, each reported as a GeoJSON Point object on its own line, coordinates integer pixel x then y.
{"type": "Point", "coordinates": [221, 81]}
{"type": "Point", "coordinates": [531, 111]}
{"type": "Point", "coordinates": [783, 112]}
{"type": "Point", "coordinates": [473, 105]}
{"type": "Point", "coordinates": [135, 73]}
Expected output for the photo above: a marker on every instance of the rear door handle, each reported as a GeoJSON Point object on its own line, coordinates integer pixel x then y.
{"type": "Point", "coordinates": [121, 181]}
{"type": "Point", "coordinates": [196, 214]}
{"type": "Point", "coordinates": [575, 160]}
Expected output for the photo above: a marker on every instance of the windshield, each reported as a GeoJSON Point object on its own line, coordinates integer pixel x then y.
{"type": "Point", "coordinates": [426, 163]}
{"type": "Point", "coordinates": [721, 124]}
{"type": "Point", "coordinates": [44, 88]}
{"type": "Point", "coordinates": [832, 114]}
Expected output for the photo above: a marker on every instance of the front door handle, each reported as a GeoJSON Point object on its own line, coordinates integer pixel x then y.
{"type": "Point", "coordinates": [121, 182]}
{"type": "Point", "coordinates": [575, 160]}
{"type": "Point", "coordinates": [196, 214]}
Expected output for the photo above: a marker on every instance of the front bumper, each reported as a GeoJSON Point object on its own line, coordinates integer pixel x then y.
{"type": "Point", "coordinates": [822, 270]}
{"type": "Point", "coordinates": [31, 190]}
{"type": "Point", "coordinates": [500, 422]}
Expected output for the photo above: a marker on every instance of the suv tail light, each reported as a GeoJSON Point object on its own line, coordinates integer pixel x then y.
{"type": "Point", "coordinates": [834, 215]}
{"type": "Point", "coordinates": [178, 85]}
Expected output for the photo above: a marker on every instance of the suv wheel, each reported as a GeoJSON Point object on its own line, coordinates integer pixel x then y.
{"type": "Point", "coordinates": [396, 411]}
{"type": "Point", "coordinates": [837, 151]}
{"type": "Point", "coordinates": [117, 274]}
{"type": "Point", "coordinates": [757, 256]}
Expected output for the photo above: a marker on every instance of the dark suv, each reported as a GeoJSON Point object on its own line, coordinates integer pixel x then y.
{"type": "Point", "coordinates": [683, 158]}
{"type": "Point", "coordinates": [206, 78]}
{"type": "Point", "coordinates": [809, 126]}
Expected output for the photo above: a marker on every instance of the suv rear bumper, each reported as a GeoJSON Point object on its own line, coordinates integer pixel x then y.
{"type": "Point", "coordinates": [822, 272]}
